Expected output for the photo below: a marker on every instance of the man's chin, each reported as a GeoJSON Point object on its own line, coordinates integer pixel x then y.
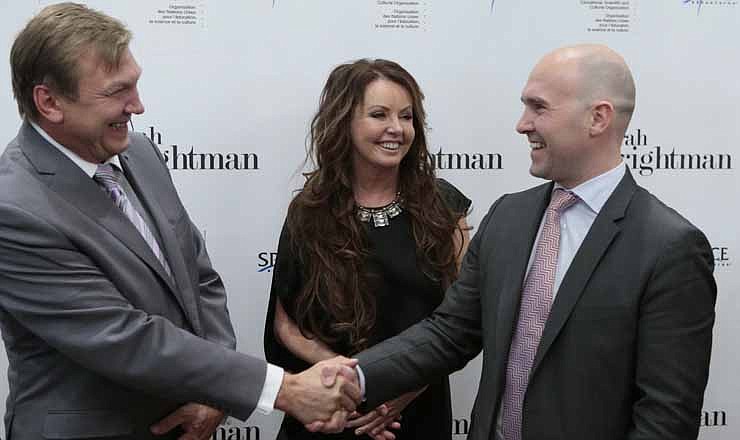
{"type": "Point", "coordinates": [536, 172]}
{"type": "Point", "coordinates": [117, 147]}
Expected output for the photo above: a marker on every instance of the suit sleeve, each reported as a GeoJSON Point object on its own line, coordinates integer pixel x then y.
{"type": "Point", "coordinates": [214, 315]}
{"type": "Point", "coordinates": [61, 296]}
{"type": "Point", "coordinates": [674, 341]}
{"type": "Point", "coordinates": [438, 345]}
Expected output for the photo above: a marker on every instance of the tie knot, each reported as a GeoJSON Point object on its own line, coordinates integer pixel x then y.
{"type": "Point", "coordinates": [562, 200]}
{"type": "Point", "coordinates": [107, 176]}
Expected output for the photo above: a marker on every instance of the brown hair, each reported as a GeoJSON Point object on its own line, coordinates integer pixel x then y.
{"type": "Point", "coordinates": [336, 303]}
{"type": "Point", "coordinates": [47, 49]}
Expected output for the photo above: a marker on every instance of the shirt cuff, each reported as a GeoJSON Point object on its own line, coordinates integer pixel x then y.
{"type": "Point", "coordinates": [361, 379]}
{"type": "Point", "coordinates": [273, 380]}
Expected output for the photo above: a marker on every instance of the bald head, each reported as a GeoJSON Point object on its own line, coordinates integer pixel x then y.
{"type": "Point", "coordinates": [600, 73]}
{"type": "Point", "coordinates": [578, 102]}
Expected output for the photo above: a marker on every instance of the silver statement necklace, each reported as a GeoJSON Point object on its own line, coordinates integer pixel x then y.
{"type": "Point", "coordinates": [381, 216]}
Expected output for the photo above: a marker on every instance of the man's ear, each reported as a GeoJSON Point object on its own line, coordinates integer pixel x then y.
{"type": "Point", "coordinates": [48, 104]}
{"type": "Point", "coordinates": [602, 117]}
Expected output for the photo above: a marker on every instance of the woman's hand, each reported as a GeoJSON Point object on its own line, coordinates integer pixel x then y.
{"type": "Point", "coordinates": [377, 422]}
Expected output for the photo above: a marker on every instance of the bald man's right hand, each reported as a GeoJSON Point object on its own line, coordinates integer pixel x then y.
{"type": "Point", "coordinates": [322, 397]}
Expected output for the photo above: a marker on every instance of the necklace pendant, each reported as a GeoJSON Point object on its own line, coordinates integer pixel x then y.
{"type": "Point", "coordinates": [364, 215]}
{"type": "Point", "coordinates": [393, 210]}
{"type": "Point", "coordinates": [380, 218]}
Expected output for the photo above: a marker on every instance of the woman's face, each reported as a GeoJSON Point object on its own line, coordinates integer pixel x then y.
{"type": "Point", "coordinates": [382, 127]}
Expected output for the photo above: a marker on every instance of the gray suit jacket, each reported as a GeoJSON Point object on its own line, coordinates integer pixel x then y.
{"type": "Point", "coordinates": [625, 351]}
{"type": "Point", "coordinates": [101, 342]}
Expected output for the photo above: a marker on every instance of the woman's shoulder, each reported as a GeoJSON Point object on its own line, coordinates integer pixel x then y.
{"type": "Point", "coordinates": [453, 197]}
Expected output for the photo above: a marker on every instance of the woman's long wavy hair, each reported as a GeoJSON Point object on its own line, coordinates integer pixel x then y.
{"type": "Point", "coordinates": [337, 303]}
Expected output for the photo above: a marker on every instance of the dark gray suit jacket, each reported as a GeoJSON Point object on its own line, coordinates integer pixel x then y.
{"type": "Point", "coordinates": [625, 351]}
{"type": "Point", "coordinates": [101, 342]}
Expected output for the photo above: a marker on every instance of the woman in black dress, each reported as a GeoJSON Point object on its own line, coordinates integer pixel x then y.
{"type": "Point", "coordinates": [369, 244]}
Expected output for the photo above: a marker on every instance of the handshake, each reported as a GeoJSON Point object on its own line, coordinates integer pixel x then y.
{"type": "Point", "coordinates": [324, 398]}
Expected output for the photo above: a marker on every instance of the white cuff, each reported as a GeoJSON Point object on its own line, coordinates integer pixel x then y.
{"type": "Point", "coordinates": [273, 380]}
{"type": "Point", "coordinates": [361, 378]}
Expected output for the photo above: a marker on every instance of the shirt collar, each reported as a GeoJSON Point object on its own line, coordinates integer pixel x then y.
{"type": "Point", "coordinates": [88, 167]}
{"type": "Point", "coordinates": [595, 191]}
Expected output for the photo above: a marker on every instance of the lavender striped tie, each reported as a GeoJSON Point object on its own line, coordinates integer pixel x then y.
{"type": "Point", "coordinates": [109, 177]}
{"type": "Point", "coordinates": [537, 294]}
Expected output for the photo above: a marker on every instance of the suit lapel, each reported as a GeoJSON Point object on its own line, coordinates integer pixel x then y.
{"type": "Point", "coordinates": [136, 169]}
{"type": "Point", "coordinates": [603, 231]}
{"type": "Point", "coordinates": [77, 188]}
{"type": "Point", "coordinates": [67, 180]}
{"type": "Point", "coordinates": [528, 217]}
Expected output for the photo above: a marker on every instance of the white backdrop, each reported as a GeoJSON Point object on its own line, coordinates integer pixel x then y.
{"type": "Point", "coordinates": [241, 79]}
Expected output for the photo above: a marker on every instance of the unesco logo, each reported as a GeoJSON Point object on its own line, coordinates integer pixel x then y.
{"type": "Point", "coordinates": [266, 261]}
{"type": "Point", "coordinates": [721, 256]}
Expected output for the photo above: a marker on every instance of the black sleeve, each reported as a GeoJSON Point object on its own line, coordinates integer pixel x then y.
{"type": "Point", "coordinates": [453, 198]}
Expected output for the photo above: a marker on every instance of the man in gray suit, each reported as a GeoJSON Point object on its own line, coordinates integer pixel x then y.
{"type": "Point", "coordinates": [593, 302]}
{"type": "Point", "coordinates": [111, 313]}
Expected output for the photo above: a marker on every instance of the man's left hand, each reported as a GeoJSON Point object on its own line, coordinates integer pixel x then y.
{"type": "Point", "coordinates": [198, 421]}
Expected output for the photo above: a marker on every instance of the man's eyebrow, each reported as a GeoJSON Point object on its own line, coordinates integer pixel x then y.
{"type": "Point", "coordinates": [533, 100]}
{"type": "Point", "coordinates": [118, 85]}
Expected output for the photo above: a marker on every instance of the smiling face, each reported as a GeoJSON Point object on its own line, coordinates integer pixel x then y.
{"type": "Point", "coordinates": [556, 123]}
{"type": "Point", "coordinates": [577, 104]}
{"type": "Point", "coordinates": [382, 127]}
{"type": "Point", "coordinates": [95, 124]}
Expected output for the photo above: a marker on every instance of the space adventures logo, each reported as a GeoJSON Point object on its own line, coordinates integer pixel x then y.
{"type": "Point", "coordinates": [699, 5]}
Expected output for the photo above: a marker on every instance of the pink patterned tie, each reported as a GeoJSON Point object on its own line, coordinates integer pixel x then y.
{"type": "Point", "coordinates": [536, 302]}
{"type": "Point", "coordinates": [108, 177]}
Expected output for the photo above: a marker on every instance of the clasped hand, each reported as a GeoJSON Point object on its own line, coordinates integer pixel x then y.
{"type": "Point", "coordinates": [375, 423]}
{"type": "Point", "coordinates": [323, 396]}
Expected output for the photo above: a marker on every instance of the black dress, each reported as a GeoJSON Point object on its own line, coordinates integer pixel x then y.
{"type": "Point", "coordinates": [405, 296]}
